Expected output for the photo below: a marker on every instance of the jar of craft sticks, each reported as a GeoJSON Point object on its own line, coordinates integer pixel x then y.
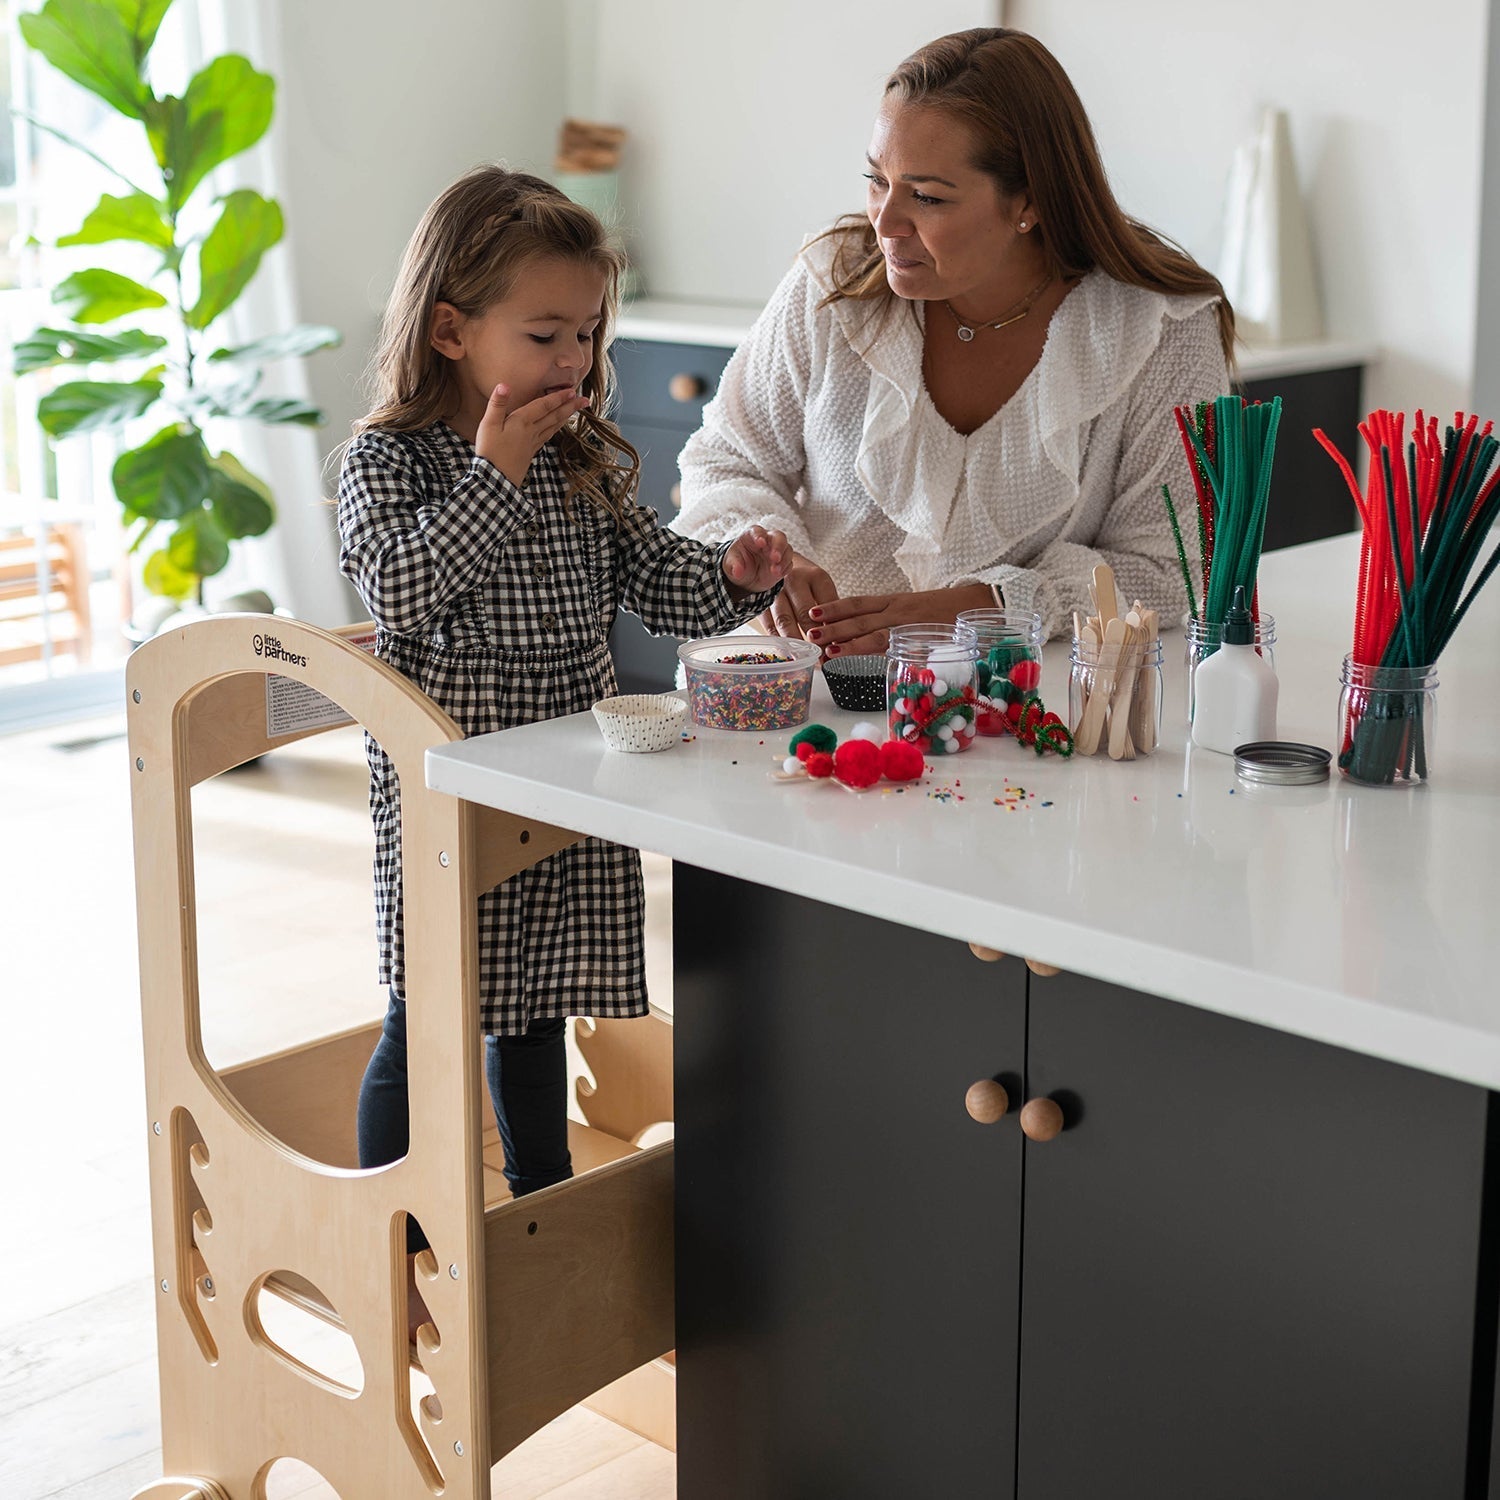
{"type": "Point", "coordinates": [930, 686]}
{"type": "Point", "coordinates": [1114, 697]}
{"type": "Point", "coordinates": [1010, 661]}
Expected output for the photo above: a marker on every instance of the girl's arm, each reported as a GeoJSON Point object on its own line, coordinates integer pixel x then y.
{"type": "Point", "coordinates": [676, 585]}
{"type": "Point", "coordinates": [410, 548]}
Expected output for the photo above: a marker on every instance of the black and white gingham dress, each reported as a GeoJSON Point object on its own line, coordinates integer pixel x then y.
{"type": "Point", "coordinates": [497, 604]}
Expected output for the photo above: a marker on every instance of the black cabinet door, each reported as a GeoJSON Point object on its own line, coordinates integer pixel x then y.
{"type": "Point", "coordinates": [1249, 1261]}
{"type": "Point", "coordinates": [847, 1237]}
{"type": "Point", "coordinates": [1308, 498]}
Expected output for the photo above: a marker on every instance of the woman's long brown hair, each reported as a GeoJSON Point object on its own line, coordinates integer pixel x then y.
{"type": "Point", "coordinates": [1033, 137]}
{"type": "Point", "coordinates": [470, 248]}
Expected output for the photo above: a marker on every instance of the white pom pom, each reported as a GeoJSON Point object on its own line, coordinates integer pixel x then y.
{"type": "Point", "coordinates": [791, 765]}
{"type": "Point", "coordinates": [910, 731]}
{"type": "Point", "coordinates": [945, 732]}
{"type": "Point", "coordinates": [903, 706]}
{"type": "Point", "coordinates": [865, 730]}
{"type": "Point", "coordinates": [958, 722]}
{"type": "Point", "coordinates": [939, 687]}
{"type": "Point", "coordinates": [952, 744]}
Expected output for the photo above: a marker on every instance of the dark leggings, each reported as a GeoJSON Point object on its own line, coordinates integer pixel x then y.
{"type": "Point", "coordinates": [528, 1080]}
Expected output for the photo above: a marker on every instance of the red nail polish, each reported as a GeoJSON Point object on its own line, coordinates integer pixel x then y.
{"type": "Point", "coordinates": [815, 635]}
{"type": "Point", "coordinates": [815, 614]}
{"type": "Point", "coordinates": [834, 650]}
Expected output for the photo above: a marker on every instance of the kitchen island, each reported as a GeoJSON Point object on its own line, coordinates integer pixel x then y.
{"type": "Point", "coordinates": [1260, 1259]}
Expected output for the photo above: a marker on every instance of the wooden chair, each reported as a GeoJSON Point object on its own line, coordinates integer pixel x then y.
{"type": "Point", "coordinates": [535, 1303]}
{"type": "Point", "coordinates": [43, 574]}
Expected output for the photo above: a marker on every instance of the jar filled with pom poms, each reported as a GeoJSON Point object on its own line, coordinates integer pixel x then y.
{"type": "Point", "coordinates": [1010, 661]}
{"type": "Point", "coordinates": [931, 689]}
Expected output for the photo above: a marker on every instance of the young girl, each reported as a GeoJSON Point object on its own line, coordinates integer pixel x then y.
{"type": "Point", "coordinates": [486, 518]}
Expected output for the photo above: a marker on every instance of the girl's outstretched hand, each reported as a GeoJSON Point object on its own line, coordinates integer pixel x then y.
{"type": "Point", "coordinates": [757, 559]}
{"type": "Point", "coordinates": [511, 439]}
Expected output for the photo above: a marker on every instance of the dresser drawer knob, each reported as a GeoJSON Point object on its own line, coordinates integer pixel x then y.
{"type": "Point", "coordinates": [1041, 1120]}
{"type": "Point", "coordinates": [1043, 971]}
{"type": "Point", "coordinates": [986, 1101]}
{"type": "Point", "coordinates": [685, 387]}
{"type": "Point", "coordinates": [986, 955]}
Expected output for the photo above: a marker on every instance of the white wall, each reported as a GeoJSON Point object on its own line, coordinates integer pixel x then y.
{"type": "Point", "coordinates": [379, 106]}
{"type": "Point", "coordinates": [1387, 109]}
{"type": "Point", "coordinates": [1487, 319]}
{"type": "Point", "coordinates": [748, 123]}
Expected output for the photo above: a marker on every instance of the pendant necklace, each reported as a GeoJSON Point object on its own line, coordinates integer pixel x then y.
{"type": "Point", "coordinates": [1014, 315]}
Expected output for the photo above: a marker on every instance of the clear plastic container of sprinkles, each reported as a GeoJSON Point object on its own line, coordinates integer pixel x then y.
{"type": "Point", "coordinates": [930, 686]}
{"type": "Point", "coordinates": [748, 681]}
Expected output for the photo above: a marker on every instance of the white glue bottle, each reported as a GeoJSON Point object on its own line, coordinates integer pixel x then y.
{"type": "Point", "coordinates": [1234, 690]}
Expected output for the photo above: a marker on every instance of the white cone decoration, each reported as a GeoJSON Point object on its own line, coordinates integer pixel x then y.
{"type": "Point", "coordinates": [1268, 270]}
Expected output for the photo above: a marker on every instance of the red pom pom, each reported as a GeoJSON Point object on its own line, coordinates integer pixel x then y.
{"type": "Point", "coordinates": [806, 750]}
{"type": "Point", "coordinates": [1013, 711]}
{"type": "Point", "coordinates": [1026, 674]}
{"type": "Point", "coordinates": [819, 764]}
{"type": "Point", "coordinates": [857, 763]}
{"type": "Point", "coordinates": [900, 760]}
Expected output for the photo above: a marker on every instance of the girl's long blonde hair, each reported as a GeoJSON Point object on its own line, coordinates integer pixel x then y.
{"type": "Point", "coordinates": [469, 250]}
{"type": "Point", "coordinates": [1031, 136]}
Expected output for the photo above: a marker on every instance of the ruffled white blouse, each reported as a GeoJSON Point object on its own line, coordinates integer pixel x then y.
{"type": "Point", "coordinates": [822, 427]}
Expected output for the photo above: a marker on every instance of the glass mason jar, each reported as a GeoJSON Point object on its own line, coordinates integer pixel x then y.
{"type": "Point", "coordinates": [1386, 720]}
{"type": "Point", "coordinates": [930, 686]}
{"type": "Point", "coordinates": [1010, 661]}
{"type": "Point", "coordinates": [1203, 639]}
{"type": "Point", "coordinates": [1110, 714]}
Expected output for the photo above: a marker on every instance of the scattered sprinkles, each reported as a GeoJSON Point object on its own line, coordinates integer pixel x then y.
{"type": "Point", "coordinates": [687, 739]}
{"type": "Point", "coordinates": [945, 794]}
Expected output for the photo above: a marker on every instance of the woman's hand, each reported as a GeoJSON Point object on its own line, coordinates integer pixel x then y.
{"type": "Point", "coordinates": [807, 586]}
{"type": "Point", "coordinates": [511, 439]}
{"type": "Point", "coordinates": [851, 627]}
{"type": "Point", "coordinates": [757, 559]}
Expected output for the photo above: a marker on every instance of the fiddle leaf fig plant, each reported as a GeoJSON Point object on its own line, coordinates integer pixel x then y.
{"type": "Point", "coordinates": [199, 255]}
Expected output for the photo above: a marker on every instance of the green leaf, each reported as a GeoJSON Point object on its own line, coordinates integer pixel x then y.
{"type": "Point", "coordinates": [230, 254]}
{"type": "Point", "coordinates": [197, 546]}
{"type": "Point", "coordinates": [87, 405]}
{"type": "Point", "coordinates": [101, 296]}
{"type": "Point", "coordinates": [141, 18]}
{"type": "Point", "coordinates": [283, 409]}
{"type": "Point", "coordinates": [227, 108]}
{"type": "Point", "coordinates": [72, 346]}
{"type": "Point", "coordinates": [305, 338]}
{"type": "Point", "coordinates": [137, 217]}
{"type": "Point", "coordinates": [239, 500]}
{"type": "Point", "coordinates": [90, 44]}
{"type": "Point", "coordinates": [162, 576]}
{"type": "Point", "coordinates": [166, 477]}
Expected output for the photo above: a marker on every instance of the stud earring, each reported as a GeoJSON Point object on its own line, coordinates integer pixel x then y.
{"type": "Point", "coordinates": [1022, 226]}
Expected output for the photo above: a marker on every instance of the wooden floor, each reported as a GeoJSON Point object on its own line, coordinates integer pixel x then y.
{"type": "Point", "coordinates": [282, 847]}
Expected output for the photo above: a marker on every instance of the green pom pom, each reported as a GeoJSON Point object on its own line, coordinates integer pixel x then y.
{"type": "Point", "coordinates": [983, 669]}
{"type": "Point", "coordinates": [819, 736]}
{"type": "Point", "coordinates": [1006, 689]}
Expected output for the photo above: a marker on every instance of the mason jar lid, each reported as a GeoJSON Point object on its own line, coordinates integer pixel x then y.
{"type": "Point", "coordinates": [1281, 763]}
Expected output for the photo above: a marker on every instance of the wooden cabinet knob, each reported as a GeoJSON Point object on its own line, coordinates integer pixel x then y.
{"type": "Point", "coordinates": [675, 496]}
{"type": "Point", "coordinates": [986, 1101]}
{"type": "Point", "coordinates": [685, 387]}
{"type": "Point", "coordinates": [1044, 971]}
{"type": "Point", "coordinates": [985, 955]}
{"type": "Point", "coordinates": [1041, 1120]}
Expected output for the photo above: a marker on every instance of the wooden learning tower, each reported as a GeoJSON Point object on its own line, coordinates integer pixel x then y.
{"type": "Point", "coordinates": [535, 1304]}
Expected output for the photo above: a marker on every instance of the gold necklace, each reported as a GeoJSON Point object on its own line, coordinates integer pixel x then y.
{"type": "Point", "coordinates": [1013, 315]}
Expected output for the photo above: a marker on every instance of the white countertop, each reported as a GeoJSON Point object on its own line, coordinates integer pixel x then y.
{"type": "Point", "coordinates": [1362, 916]}
{"type": "Point", "coordinates": [722, 325]}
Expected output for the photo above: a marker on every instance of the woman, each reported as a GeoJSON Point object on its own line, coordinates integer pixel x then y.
{"type": "Point", "coordinates": [968, 397]}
